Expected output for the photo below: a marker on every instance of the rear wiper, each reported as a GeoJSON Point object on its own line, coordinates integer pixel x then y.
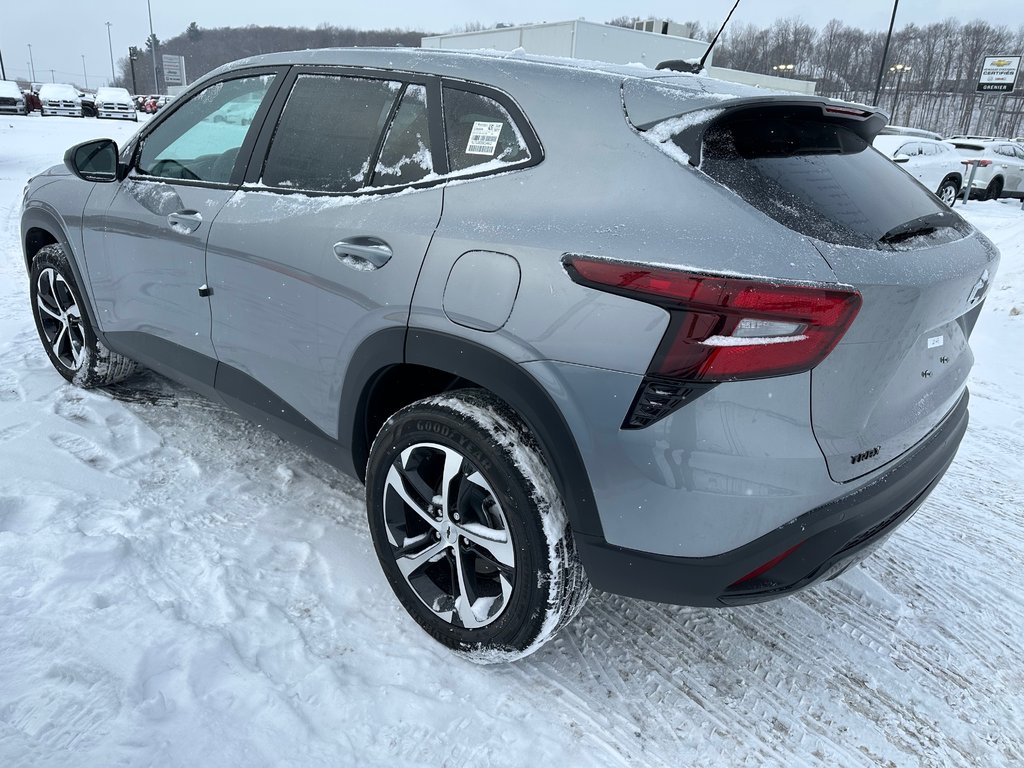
{"type": "Point", "coordinates": [922, 225]}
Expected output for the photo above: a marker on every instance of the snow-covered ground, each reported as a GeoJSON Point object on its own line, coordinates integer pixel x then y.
{"type": "Point", "coordinates": [180, 588]}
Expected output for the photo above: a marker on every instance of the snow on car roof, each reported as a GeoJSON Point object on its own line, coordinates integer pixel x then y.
{"type": "Point", "coordinates": [10, 89]}
{"type": "Point", "coordinates": [111, 92]}
{"type": "Point", "coordinates": [58, 91]}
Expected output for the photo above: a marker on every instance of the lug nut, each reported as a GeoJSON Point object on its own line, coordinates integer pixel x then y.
{"type": "Point", "coordinates": [437, 534]}
{"type": "Point", "coordinates": [455, 516]}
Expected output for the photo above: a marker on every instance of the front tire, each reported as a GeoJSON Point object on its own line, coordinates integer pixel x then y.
{"type": "Point", "coordinates": [64, 326]}
{"type": "Point", "coordinates": [469, 528]}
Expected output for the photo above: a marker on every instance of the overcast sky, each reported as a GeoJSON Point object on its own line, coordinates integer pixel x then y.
{"type": "Point", "coordinates": [61, 31]}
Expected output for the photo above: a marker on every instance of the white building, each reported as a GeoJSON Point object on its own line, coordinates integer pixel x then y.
{"type": "Point", "coordinates": [603, 42]}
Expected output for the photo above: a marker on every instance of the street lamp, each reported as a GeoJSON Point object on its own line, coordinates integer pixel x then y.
{"type": "Point", "coordinates": [84, 73]}
{"type": "Point", "coordinates": [31, 62]}
{"type": "Point", "coordinates": [899, 69]}
{"type": "Point", "coordinates": [152, 46]}
{"type": "Point", "coordinates": [111, 46]}
{"type": "Point", "coordinates": [783, 69]}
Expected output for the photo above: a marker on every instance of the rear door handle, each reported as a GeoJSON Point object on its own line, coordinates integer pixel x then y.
{"type": "Point", "coordinates": [363, 253]}
{"type": "Point", "coordinates": [185, 222]}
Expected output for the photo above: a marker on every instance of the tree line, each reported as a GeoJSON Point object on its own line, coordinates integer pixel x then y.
{"type": "Point", "coordinates": [936, 90]}
{"type": "Point", "coordinates": [941, 65]}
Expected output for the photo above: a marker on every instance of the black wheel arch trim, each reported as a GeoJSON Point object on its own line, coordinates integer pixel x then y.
{"type": "Point", "coordinates": [42, 219]}
{"type": "Point", "coordinates": [517, 387]}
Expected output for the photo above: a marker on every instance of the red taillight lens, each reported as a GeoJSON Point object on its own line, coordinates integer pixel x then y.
{"type": "Point", "coordinates": [728, 328]}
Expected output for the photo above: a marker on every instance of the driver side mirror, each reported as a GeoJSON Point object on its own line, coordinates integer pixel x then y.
{"type": "Point", "coordinates": [901, 158]}
{"type": "Point", "coordinates": [93, 160]}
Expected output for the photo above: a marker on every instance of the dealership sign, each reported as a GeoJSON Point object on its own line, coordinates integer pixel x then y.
{"type": "Point", "coordinates": [174, 70]}
{"type": "Point", "coordinates": [999, 74]}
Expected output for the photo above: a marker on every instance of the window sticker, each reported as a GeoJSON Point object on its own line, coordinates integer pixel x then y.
{"type": "Point", "coordinates": [483, 140]}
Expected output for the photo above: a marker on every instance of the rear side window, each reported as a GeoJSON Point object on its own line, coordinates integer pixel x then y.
{"type": "Point", "coordinates": [405, 157]}
{"type": "Point", "coordinates": [480, 133]}
{"type": "Point", "coordinates": [328, 133]}
{"type": "Point", "coordinates": [821, 179]}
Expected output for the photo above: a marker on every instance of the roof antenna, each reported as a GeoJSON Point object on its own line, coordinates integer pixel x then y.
{"type": "Point", "coordinates": [681, 65]}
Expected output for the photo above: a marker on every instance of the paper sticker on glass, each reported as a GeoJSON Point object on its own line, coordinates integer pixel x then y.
{"type": "Point", "coordinates": [483, 139]}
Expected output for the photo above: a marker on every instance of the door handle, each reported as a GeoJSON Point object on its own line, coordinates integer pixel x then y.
{"type": "Point", "coordinates": [185, 222]}
{"type": "Point", "coordinates": [363, 253]}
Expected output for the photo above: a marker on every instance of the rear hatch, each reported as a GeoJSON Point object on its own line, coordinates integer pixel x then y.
{"type": "Point", "coordinates": [922, 271]}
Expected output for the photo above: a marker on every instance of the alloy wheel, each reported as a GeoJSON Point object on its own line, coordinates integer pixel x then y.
{"type": "Point", "coordinates": [449, 535]}
{"type": "Point", "coordinates": [60, 318]}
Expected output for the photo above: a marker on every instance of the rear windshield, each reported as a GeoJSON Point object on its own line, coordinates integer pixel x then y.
{"type": "Point", "coordinates": [822, 180]}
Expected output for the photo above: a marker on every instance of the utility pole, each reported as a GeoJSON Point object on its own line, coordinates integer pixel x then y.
{"type": "Point", "coordinates": [31, 62]}
{"type": "Point", "coordinates": [84, 73]}
{"type": "Point", "coordinates": [152, 46]}
{"type": "Point", "coordinates": [110, 45]}
{"type": "Point", "coordinates": [3, 74]}
{"type": "Point", "coordinates": [885, 52]}
{"type": "Point", "coordinates": [899, 69]}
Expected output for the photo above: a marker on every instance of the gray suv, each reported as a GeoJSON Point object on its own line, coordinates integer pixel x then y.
{"type": "Point", "coordinates": [683, 340]}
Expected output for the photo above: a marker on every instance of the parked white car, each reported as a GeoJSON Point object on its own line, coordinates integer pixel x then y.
{"type": "Point", "coordinates": [115, 103]}
{"type": "Point", "coordinates": [12, 100]}
{"type": "Point", "coordinates": [935, 164]}
{"type": "Point", "coordinates": [60, 99]}
{"type": "Point", "coordinates": [1001, 168]}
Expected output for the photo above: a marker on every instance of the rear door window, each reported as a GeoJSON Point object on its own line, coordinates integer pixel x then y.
{"type": "Point", "coordinates": [480, 133]}
{"type": "Point", "coordinates": [328, 132]}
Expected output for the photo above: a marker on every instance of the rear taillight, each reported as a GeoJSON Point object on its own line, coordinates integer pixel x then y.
{"type": "Point", "coordinates": [724, 328]}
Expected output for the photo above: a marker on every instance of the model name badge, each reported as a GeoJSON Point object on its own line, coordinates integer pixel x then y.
{"type": "Point", "coordinates": [864, 455]}
{"type": "Point", "coordinates": [934, 341]}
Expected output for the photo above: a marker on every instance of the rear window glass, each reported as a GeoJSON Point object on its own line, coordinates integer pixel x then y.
{"type": "Point", "coordinates": [820, 179]}
{"type": "Point", "coordinates": [480, 133]}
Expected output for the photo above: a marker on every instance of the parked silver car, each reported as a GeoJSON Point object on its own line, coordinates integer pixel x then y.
{"type": "Point", "coordinates": [647, 331]}
{"type": "Point", "coordinates": [936, 164]}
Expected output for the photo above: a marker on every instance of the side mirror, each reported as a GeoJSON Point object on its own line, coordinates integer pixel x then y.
{"type": "Point", "coordinates": [93, 160]}
{"type": "Point", "coordinates": [901, 158]}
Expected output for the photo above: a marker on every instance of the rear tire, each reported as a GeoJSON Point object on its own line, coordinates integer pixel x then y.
{"type": "Point", "coordinates": [948, 190]}
{"type": "Point", "coordinates": [994, 189]}
{"type": "Point", "coordinates": [469, 528]}
{"type": "Point", "coordinates": [65, 328]}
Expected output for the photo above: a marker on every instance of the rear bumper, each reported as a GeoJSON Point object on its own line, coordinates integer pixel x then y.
{"type": "Point", "coordinates": [817, 545]}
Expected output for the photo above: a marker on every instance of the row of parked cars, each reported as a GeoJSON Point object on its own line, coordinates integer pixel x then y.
{"type": "Point", "coordinates": [945, 166]}
{"type": "Point", "coordinates": [65, 99]}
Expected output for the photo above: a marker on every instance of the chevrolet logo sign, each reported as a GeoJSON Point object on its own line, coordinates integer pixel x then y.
{"type": "Point", "coordinates": [1001, 63]}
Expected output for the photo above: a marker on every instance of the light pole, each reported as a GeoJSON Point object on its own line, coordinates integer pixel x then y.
{"type": "Point", "coordinates": [885, 51]}
{"type": "Point", "coordinates": [152, 46]}
{"type": "Point", "coordinates": [84, 73]}
{"type": "Point", "coordinates": [899, 69]}
{"type": "Point", "coordinates": [784, 69]}
{"type": "Point", "coordinates": [31, 62]}
{"type": "Point", "coordinates": [111, 46]}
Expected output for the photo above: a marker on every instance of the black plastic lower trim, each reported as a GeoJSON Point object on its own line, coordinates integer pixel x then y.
{"type": "Point", "coordinates": [827, 539]}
